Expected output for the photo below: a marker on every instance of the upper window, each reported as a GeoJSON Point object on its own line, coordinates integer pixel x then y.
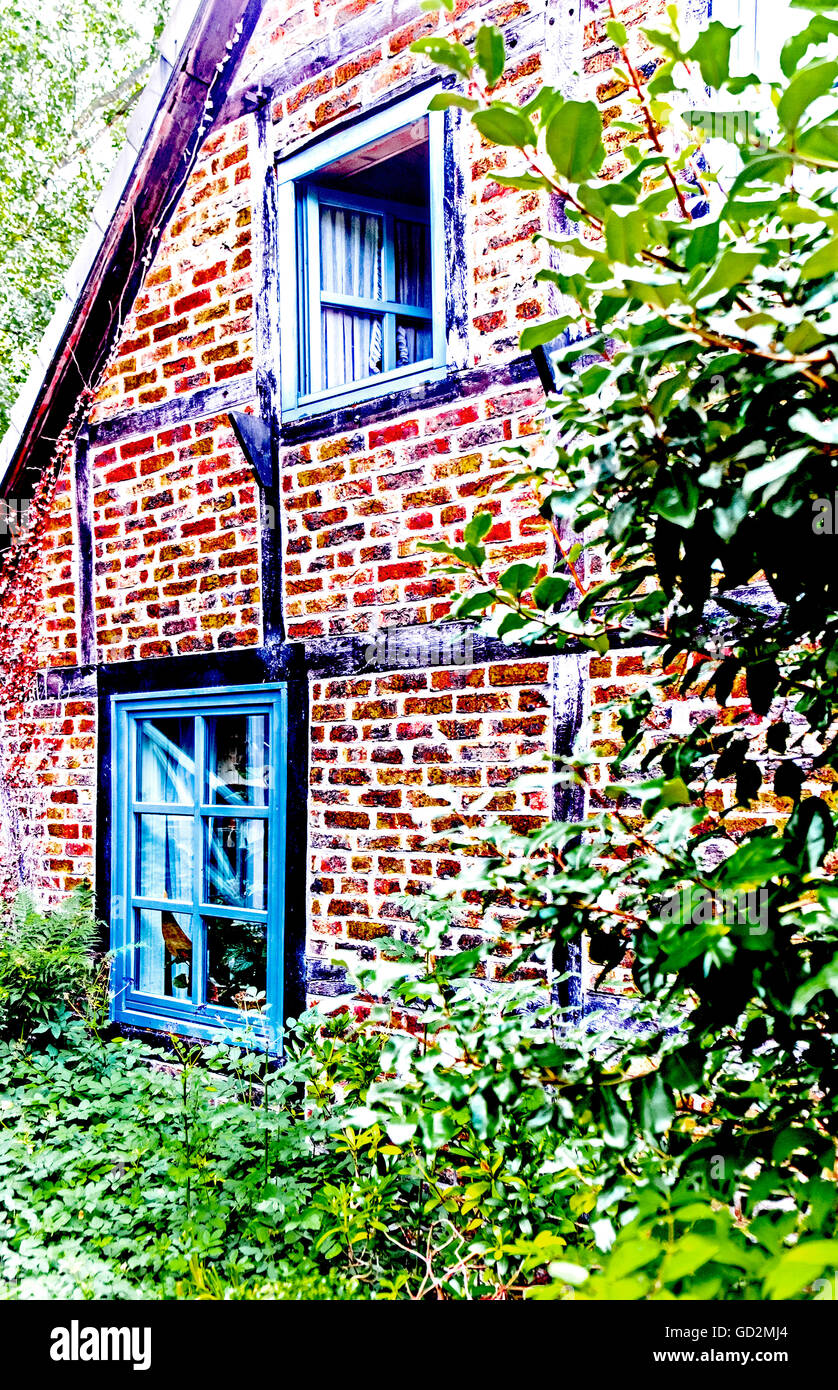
{"type": "Point", "coordinates": [198, 797]}
{"type": "Point", "coordinates": [362, 278]}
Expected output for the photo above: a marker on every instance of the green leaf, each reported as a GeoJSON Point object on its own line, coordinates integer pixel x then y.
{"type": "Point", "coordinates": [479, 526]}
{"type": "Point", "coordinates": [540, 333]}
{"type": "Point", "coordinates": [677, 501]}
{"type": "Point", "coordinates": [754, 863]}
{"type": "Point", "coordinates": [518, 579]}
{"type": "Point", "coordinates": [663, 39]}
{"type": "Point", "coordinates": [806, 422]}
{"type": "Point", "coordinates": [819, 144]}
{"type": "Point", "coordinates": [703, 245]}
{"type": "Point", "coordinates": [748, 782]}
{"type": "Point", "coordinates": [711, 51]}
{"type": "Point", "coordinates": [574, 140]}
{"type": "Point", "coordinates": [691, 1252]}
{"type": "Point", "coordinates": [567, 1273]}
{"type": "Point", "coordinates": [625, 235]}
{"type": "Point", "coordinates": [734, 268]}
{"type": "Point", "coordinates": [810, 831]}
{"type": "Point", "coordinates": [674, 792]}
{"type": "Point", "coordinates": [800, 1266]}
{"type": "Point", "coordinates": [522, 181]}
{"type": "Point", "coordinates": [550, 590]}
{"type": "Point", "coordinates": [826, 978]}
{"type": "Point", "coordinates": [617, 32]}
{"type": "Point", "coordinates": [445, 53]}
{"type": "Point", "coordinates": [761, 678]}
{"type": "Point", "coordinates": [805, 87]}
{"type": "Point", "coordinates": [822, 262]}
{"type": "Point", "coordinates": [655, 1105]}
{"type": "Point", "coordinates": [490, 52]}
{"type": "Point", "coordinates": [794, 49]}
{"type": "Point", "coordinates": [443, 100]}
{"type": "Point", "coordinates": [504, 125]}
{"type": "Point", "coordinates": [772, 475]}
{"type": "Point", "coordinates": [469, 604]}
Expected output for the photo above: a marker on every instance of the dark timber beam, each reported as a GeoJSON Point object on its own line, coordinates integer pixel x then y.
{"type": "Point", "coordinates": [83, 499]}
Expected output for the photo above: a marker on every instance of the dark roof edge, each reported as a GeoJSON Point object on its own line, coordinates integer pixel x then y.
{"type": "Point", "coordinates": [146, 183]}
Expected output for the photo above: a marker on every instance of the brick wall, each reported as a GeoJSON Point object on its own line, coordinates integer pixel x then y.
{"type": "Point", "coordinates": [358, 505]}
{"type": "Point", "coordinates": [397, 761]}
{"type": "Point", "coordinates": [191, 325]}
{"type": "Point", "coordinates": [47, 808]}
{"type": "Point", "coordinates": [59, 637]}
{"type": "Point", "coordinates": [176, 544]}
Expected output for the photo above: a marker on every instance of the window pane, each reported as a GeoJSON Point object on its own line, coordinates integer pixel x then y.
{"type": "Point", "coordinates": [237, 956]}
{"type": "Point", "coordinates": [352, 347]}
{"type": "Point", "coordinates": [236, 862]}
{"type": "Point", "coordinates": [163, 953]}
{"type": "Point", "coordinates": [413, 263]}
{"type": "Point", "coordinates": [166, 760]}
{"type": "Point", "coordinates": [164, 857]}
{"type": "Point", "coordinates": [350, 252]}
{"type": "Point", "coordinates": [414, 341]}
{"type": "Point", "coordinates": [238, 759]}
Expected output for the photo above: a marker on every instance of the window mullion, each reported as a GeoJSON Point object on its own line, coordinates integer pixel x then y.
{"type": "Point", "coordinates": [312, 270]}
{"type": "Point", "coordinates": [130, 870]}
{"type": "Point", "coordinates": [436, 234]}
{"type": "Point", "coordinates": [389, 278]}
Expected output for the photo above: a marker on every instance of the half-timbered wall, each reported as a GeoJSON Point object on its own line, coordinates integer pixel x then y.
{"type": "Point", "coordinates": [175, 566]}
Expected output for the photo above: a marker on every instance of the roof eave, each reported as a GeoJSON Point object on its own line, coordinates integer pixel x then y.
{"type": "Point", "coordinates": [193, 61]}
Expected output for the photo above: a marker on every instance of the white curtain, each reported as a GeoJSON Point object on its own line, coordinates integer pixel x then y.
{"type": "Point", "coordinates": [350, 263]}
{"type": "Point", "coordinates": [413, 286]}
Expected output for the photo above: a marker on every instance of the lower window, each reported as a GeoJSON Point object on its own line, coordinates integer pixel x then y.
{"type": "Point", "coordinates": [197, 862]}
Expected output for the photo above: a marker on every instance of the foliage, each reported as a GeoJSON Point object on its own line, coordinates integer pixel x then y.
{"type": "Point", "coordinates": [682, 1147]}
{"type": "Point", "coordinates": [70, 76]}
{"type": "Point", "coordinates": [47, 968]}
{"type": "Point", "coordinates": [693, 449]}
{"type": "Point", "coordinates": [469, 1160]}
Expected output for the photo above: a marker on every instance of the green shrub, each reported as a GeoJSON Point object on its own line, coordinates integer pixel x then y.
{"type": "Point", "coordinates": [47, 960]}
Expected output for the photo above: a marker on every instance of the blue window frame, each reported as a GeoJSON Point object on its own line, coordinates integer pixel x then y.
{"type": "Point", "coordinates": [362, 278]}
{"type": "Point", "coordinates": [197, 889]}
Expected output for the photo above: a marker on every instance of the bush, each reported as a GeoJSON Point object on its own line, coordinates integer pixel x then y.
{"type": "Point", "coordinates": [499, 1152]}
{"type": "Point", "coordinates": [47, 964]}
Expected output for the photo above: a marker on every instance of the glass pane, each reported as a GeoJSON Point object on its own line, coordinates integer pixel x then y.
{"type": "Point", "coordinates": [352, 346]}
{"type": "Point", "coordinates": [237, 862]}
{"type": "Point", "coordinates": [166, 760]}
{"type": "Point", "coordinates": [237, 956]}
{"type": "Point", "coordinates": [350, 252]}
{"type": "Point", "coordinates": [238, 759]}
{"type": "Point", "coordinates": [413, 263]}
{"type": "Point", "coordinates": [414, 341]}
{"type": "Point", "coordinates": [164, 857]}
{"type": "Point", "coordinates": [163, 953]}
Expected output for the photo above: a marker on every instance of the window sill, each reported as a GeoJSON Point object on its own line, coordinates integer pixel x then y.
{"type": "Point", "coordinates": [439, 386]}
{"type": "Point", "coordinates": [379, 388]}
